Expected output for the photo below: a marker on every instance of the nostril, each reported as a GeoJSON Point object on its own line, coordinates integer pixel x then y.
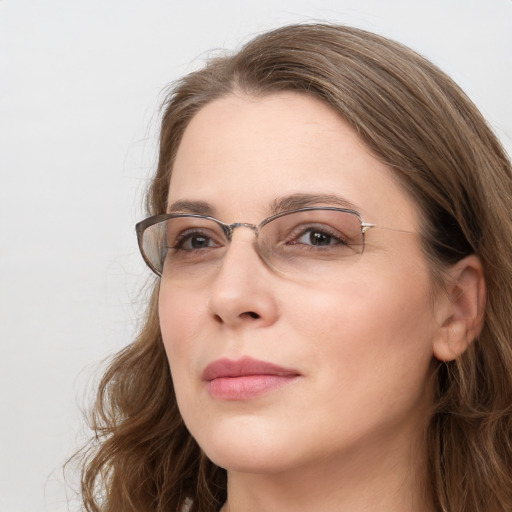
{"type": "Point", "coordinates": [247, 314]}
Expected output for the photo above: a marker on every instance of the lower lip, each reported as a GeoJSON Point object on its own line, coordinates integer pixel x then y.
{"type": "Point", "coordinates": [247, 386]}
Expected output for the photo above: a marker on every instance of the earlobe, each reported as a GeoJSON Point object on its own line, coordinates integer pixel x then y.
{"type": "Point", "coordinates": [463, 312]}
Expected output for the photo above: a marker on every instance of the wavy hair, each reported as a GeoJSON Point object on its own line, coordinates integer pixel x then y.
{"type": "Point", "coordinates": [416, 120]}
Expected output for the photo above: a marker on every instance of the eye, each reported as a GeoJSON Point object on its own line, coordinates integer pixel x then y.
{"type": "Point", "coordinates": [316, 236]}
{"type": "Point", "coordinates": [195, 240]}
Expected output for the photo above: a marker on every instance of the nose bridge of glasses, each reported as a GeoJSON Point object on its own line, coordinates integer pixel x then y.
{"type": "Point", "coordinates": [235, 225]}
{"type": "Point", "coordinates": [259, 245]}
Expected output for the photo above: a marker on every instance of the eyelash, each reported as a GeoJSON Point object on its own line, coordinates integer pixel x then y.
{"type": "Point", "coordinates": [291, 239]}
{"type": "Point", "coordinates": [187, 235]}
{"type": "Point", "coordinates": [300, 231]}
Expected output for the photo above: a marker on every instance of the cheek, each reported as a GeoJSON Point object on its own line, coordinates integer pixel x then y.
{"type": "Point", "coordinates": [370, 333]}
{"type": "Point", "coordinates": [180, 313]}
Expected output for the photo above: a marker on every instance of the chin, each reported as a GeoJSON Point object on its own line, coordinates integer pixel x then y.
{"type": "Point", "coordinates": [256, 460]}
{"type": "Point", "coordinates": [245, 449]}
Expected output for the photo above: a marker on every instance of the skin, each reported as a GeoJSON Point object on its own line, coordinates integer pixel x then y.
{"type": "Point", "coordinates": [348, 433]}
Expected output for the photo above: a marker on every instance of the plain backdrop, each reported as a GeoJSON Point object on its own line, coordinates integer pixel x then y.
{"type": "Point", "coordinates": [80, 87]}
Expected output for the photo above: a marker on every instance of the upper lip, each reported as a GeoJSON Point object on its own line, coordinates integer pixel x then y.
{"type": "Point", "coordinates": [243, 367]}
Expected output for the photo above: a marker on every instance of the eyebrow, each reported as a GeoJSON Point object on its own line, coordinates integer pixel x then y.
{"type": "Point", "coordinates": [196, 207]}
{"type": "Point", "coordinates": [278, 205]}
{"type": "Point", "coordinates": [295, 201]}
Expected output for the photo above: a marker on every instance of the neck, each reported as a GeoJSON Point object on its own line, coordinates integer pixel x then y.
{"type": "Point", "coordinates": [362, 483]}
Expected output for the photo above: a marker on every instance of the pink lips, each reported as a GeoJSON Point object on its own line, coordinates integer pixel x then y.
{"type": "Point", "coordinates": [245, 378]}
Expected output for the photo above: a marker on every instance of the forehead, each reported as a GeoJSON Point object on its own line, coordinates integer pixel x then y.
{"type": "Point", "coordinates": [239, 153]}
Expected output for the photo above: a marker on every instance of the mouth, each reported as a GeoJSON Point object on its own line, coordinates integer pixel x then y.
{"type": "Point", "coordinates": [245, 378]}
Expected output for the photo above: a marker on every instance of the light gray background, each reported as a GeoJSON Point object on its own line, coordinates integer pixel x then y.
{"type": "Point", "coordinates": [80, 85]}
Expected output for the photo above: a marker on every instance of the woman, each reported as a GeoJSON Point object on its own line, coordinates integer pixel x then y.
{"type": "Point", "coordinates": [330, 328]}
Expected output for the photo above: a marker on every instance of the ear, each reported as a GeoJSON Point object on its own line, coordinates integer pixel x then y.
{"type": "Point", "coordinates": [462, 313]}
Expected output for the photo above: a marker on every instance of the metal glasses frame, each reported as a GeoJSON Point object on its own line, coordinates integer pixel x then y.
{"type": "Point", "coordinates": [228, 229]}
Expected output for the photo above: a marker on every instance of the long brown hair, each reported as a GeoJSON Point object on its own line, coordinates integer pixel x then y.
{"type": "Point", "coordinates": [417, 121]}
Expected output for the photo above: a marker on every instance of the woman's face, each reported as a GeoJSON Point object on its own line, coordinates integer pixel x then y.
{"type": "Point", "coordinates": [343, 363]}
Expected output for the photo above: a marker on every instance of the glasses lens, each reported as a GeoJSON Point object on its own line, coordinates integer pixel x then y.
{"type": "Point", "coordinates": [312, 239]}
{"type": "Point", "coordinates": [306, 242]}
{"type": "Point", "coordinates": [180, 245]}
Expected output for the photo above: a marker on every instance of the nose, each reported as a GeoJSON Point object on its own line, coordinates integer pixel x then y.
{"type": "Point", "coordinates": [242, 292]}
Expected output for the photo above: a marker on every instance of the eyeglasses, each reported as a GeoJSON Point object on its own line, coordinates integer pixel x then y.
{"type": "Point", "coordinates": [307, 240]}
